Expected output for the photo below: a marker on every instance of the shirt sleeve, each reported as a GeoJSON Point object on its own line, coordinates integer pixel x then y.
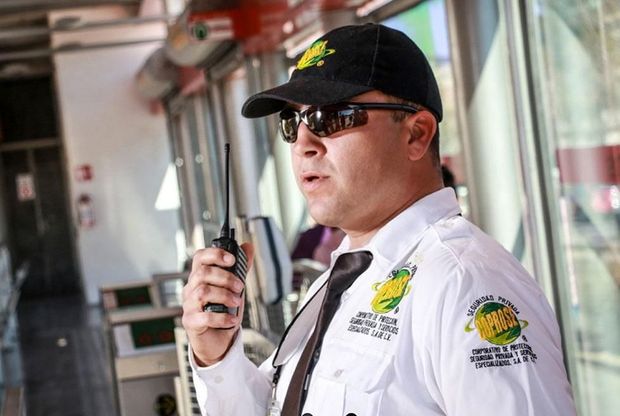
{"type": "Point", "coordinates": [495, 345]}
{"type": "Point", "coordinates": [233, 386]}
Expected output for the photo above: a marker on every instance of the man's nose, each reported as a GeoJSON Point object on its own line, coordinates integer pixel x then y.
{"type": "Point", "coordinates": [307, 144]}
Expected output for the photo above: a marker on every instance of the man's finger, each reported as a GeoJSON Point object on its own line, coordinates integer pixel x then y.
{"type": "Point", "coordinates": [212, 256]}
{"type": "Point", "coordinates": [214, 276]}
{"type": "Point", "coordinates": [218, 295]}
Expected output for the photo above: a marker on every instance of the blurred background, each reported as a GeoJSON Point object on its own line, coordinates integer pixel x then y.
{"type": "Point", "coordinates": [113, 119]}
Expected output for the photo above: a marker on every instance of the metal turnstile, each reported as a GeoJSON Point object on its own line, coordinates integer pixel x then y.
{"type": "Point", "coordinates": [142, 349]}
{"type": "Point", "coordinates": [188, 403]}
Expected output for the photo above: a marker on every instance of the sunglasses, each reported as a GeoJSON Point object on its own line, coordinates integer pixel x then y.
{"type": "Point", "coordinates": [326, 120]}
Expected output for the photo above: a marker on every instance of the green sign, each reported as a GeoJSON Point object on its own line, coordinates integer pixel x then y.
{"type": "Point", "coordinates": [134, 296]}
{"type": "Point", "coordinates": [152, 332]}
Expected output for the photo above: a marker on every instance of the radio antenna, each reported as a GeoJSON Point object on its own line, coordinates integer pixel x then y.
{"type": "Point", "coordinates": [226, 230]}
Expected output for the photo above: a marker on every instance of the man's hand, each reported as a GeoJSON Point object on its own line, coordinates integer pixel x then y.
{"type": "Point", "coordinates": [210, 283]}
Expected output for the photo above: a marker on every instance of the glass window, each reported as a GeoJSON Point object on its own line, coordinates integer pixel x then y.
{"type": "Point", "coordinates": [212, 167]}
{"type": "Point", "coordinates": [190, 158]}
{"type": "Point", "coordinates": [195, 152]}
{"type": "Point", "coordinates": [179, 161]}
{"type": "Point", "coordinates": [427, 25]}
{"type": "Point", "coordinates": [576, 51]}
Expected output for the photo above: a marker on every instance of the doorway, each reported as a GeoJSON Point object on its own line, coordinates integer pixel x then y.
{"type": "Point", "coordinates": [38, 229]}
{"type": "Point", "coordinates": [38, 222]}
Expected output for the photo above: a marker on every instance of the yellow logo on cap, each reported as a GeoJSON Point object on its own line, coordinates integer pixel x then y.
{"type": "Point", "coordinates": [314, 55]}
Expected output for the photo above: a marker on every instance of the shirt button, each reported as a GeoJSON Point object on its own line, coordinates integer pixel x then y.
{"type": "Point", "coordinates": [218, 379]}
{"type": "Point", "coordinates": [351, 414]}
{"type": "Point", "coordinates": [338, 373]}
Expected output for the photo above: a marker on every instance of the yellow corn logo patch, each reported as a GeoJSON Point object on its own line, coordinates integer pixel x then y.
{"type": "Point", "coordinates": [496, 323]}
{"type": "Point", "coordinates": [391, 292]}
{"type": "Point", "coordinates": [314, 55]}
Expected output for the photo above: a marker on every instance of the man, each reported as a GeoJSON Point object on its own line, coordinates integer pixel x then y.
{"type": "Point", "coordinates": [440, 320]}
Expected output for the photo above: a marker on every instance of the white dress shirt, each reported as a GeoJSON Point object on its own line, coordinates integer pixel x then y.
{"type": "Point", "coordinates": [443, 322]}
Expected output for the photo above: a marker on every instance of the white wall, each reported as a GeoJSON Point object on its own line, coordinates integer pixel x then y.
{"type": "Point", "coordinates": [107, 125]}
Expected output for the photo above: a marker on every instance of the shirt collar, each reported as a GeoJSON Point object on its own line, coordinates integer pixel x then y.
{"type": "Point", "coordinates": [395, 237]}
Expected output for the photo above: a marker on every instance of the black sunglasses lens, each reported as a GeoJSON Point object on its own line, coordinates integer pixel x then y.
{"type": "Point", "coordinates": [289, 122]}
{"type": "Point", "coordinates": [322, 122]}
{"type": "Point", "coordinates": [332, 120]}
{"type": "Point", "coordinates": [315, 120]}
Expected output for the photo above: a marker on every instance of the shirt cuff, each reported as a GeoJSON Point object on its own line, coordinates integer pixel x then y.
{"type": "Point", "coordinates": [237, 346]}
{"type": "Point", "coordinates": [215, 382]}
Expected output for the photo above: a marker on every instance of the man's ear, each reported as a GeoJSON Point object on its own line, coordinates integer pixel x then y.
{"type": "Point", "coordinates": [421, 128]}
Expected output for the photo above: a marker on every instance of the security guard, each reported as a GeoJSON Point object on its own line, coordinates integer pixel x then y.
{"type": "Point", "coordinates": [421, 313]}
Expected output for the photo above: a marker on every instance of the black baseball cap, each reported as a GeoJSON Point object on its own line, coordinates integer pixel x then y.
{"type": "Point", "coordinates": [349, 61]}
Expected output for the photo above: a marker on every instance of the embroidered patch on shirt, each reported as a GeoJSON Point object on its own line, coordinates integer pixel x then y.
{"type": "Point", "coordinates": [379, 323]}
{"type": "Point", "coordinates": [392, 290]}
{"type": "Point", "coordinates": [496, 321]}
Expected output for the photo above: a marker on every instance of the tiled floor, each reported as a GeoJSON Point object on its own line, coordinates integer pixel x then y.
{"type": "Point", "coordinates": [65, 365]}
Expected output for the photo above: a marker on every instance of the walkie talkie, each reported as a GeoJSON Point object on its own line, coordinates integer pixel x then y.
{"type": "Point", "coordinates": [227, 242]}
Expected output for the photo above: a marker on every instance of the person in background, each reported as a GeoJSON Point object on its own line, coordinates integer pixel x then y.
{"type": "Point", "coordinates": [330, 240]}
{"type": "Point", "coordinates": [317, 243]}
{"type": "Point", "coordinates": [448, 177]}
{"type": "Point", "coordinates": [420, 313]}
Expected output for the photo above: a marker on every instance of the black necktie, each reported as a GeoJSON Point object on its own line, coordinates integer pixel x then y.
{"type": "Point", "coordinates": [347, 268]}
